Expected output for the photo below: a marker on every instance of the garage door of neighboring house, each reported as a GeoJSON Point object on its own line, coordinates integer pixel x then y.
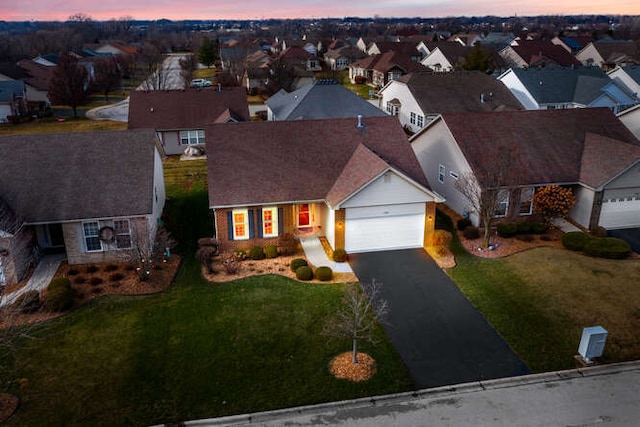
{"type": "Point", "coordinates": [620, 213]}
{"type": "Point", "coordinates": [384, 227]}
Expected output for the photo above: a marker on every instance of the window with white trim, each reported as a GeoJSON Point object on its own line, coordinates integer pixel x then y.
{"type": "Point", "coordinates": [392, 108]}
{"type": "Point", "coordinates": [453, 175]}
{"type": "Point", "coordinates": [122, 229]}
{"type": "Point", "coordinates": [412, 118]}
{"type": "Point", "coordinates": [526, 201]}
{"type": "Point", "coordinates": [240, 224]}
{"type": "Point", "coordinates": [190, 137]}
{"type": "Point", "coordinates": [91, 239]}
{"type": "Point", "coordinates": [420, 121]}
{"type": "Point", "coordinates": [269, 222]}
{"type": "Point", "coordinates": [503, 203]}
{"type": "Point", "coordinates": [441, 171]}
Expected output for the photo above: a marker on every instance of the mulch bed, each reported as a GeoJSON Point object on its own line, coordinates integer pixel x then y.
{"type": "Point", "coordinates": [93, 280]}
{"type": "Point", "coordinates": [342, 367]}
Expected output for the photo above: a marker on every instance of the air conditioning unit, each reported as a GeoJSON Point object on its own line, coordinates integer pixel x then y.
{"type": "Point", "coordinates": [592, 342]}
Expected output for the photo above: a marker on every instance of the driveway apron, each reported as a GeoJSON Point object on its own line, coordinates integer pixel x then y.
{"type": "Point", "coordinates": [631, 235]}
{"type": "Point", "coordinates": [441, 337]}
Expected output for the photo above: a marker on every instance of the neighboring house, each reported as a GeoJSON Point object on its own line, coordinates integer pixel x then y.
{"type": "Point", "coordinates": [446, 57]}
{"type": "Point", "coordinates": [608, 54]}
{"type": "Point", "coordinates": [628, 75]}
{"type": "Point", "coordinates": [321, 100]}
{"type": "Point", "coordinates": [340, 58]}
{"type": "Point", "coordinates": [357, 183]}
{"type": "Point", "coordinates": [13, 99]}
{"type": "Point", "coordinates": [406, 48]}
{"type": "Point", "coordinates": [497, 41]}
{"type": "Point", "coordinates": [378, 70]}
{"type": "Point", "coordinates": [586, 149]}
{"type": "Point", "coordinates": [551, 88]}
{"type": "Point", "coordinates": [38, 81]}
{"type": "Point", "coordinates": [631, 119]}
{"type": "Point", "coordinates": [48, 60]}
{"type": "Point", "coordinates": [297, 56]}
{"type": "Point", "coordinates": [418, 98]}
{"type": "Point", "coordinates": [180, 116]}
{"type": "Point", "coordinates": [256, 71]}
{"type": "Point", "coordinates": [115, 48]}
{"type": "Point", "coordinates": [90, 195]}
{"type": "Point", "coordinates": [537, 54]}
{"type": "Point", "coordinates": [468, 39]}
{"type": "Point", "coordinates": [572, 44]}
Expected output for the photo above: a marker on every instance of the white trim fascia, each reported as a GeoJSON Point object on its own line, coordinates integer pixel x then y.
{"type": "Point", "coordinates": [243, 205]}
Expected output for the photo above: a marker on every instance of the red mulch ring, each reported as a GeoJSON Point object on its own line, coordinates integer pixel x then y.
{"type": "Point", "coordinates": [8, 405]}
{"type": "Point", "coordinates": [342, 367]}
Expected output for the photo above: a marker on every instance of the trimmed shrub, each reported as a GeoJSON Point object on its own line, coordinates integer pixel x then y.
{"type": "Point", "coordinates": [270, 251]}
{"type": "Point", "coordinates": [599, 232]}
{"type": "Point", "coordinates": [231, 265]}
{"type": "Point", "coordinates": [256, 253]}
{"type": "Point", "coordinates": [525, 227]}
{"type": "Point", "coordinates": [304, 273]}
{"type": "Point", "coordinates": [607, 247]}
{"type": "Point", "coordinates": [539, 228]}
{"type": "Point", "coordinates": [91, 269]}
{"type": "Point", "coordinates": [507, 229]}
{"type": "Point", "coordinates": [575, 240]}
{"type": "Point", "coordinates": [27, 302]}
{"type": "Point", "coordinates": [463, 223]}
{"type": "Point", "coordinates": [58, 299]}
{"type": "Point", "coordinates": [340, 255]}
{"type": "Point", "coordinates": [239, 254]}
{"type": "Point", "coordinates": [297, 263]}
{"type": "Point", "coordinates": [324, 273]}
{"type": "Point", "coordinates": [95, 281]}
{"type": "Point", "coordinates": [72, 272]}
{"type": "Point", "coordinates": [59, 282]}
{"type": "Point", "coordinates": [471, 233]}
{"type": "Point", "coordinates": [116, 277]}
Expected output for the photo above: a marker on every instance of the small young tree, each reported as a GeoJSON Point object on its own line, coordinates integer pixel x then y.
{"type": "Point", "coordinates": [69, 83]}
{"type": "Point", "coordinates": [361, 309]}
{"type": "Point", "coordinates": [553, 201]}
{"type": "Point", "coordinates": [489, 186]}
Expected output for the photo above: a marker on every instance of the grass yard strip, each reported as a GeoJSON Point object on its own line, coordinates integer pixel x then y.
{"type": "Point", "coordinates": [540, 300]}
{"type": "Point", "coordinates": [195, 351]}
{"type": "Point", "coordinates": [50, 125]}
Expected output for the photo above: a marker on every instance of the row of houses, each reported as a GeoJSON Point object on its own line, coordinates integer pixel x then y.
{"type": "Point", "coordinates": [359, 181]}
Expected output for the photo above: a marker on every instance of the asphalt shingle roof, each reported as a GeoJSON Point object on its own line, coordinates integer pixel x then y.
{"type": "Point", "coordinates": [278, 162]}
{"type": "Point", "coordinates": [551, 85]}
{"type": "Point", "coordinates": [70, 176]}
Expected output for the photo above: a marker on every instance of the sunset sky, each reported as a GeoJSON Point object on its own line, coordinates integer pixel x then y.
{"type": "Point", "coordinates": [60, 10]}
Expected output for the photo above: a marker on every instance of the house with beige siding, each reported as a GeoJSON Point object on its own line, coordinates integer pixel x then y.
{"type": "Point", "coordinates": [588, 150]}
{"type": "Point", "coordinates": [89, 195]}
{"type": "Point", "coordinates": [354, 181]}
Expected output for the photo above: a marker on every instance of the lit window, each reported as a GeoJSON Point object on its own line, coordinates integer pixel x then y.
{"type": "Point", "coordinates": [441, 170]}
{"type": "Point", "coordinates": [190, 137]}
{"type": "Point", "coordinates": [240, 224]}
{"type": "Point", "coordinates": [91, 239]}
{"type": "Point", "coordinates": [269, 222]}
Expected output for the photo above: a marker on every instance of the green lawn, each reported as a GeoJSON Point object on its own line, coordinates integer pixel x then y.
{"type": "Point", "coordinates": [71, 124]}
{"type": "Point", "coordinates": [540, 300]}
{"type": "Point", "coordinates": [197, 350]}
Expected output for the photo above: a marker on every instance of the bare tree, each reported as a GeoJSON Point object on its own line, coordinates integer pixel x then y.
{"type": "Point", "coordinates": [358, 314]}
{"type": "Point", "coordinates": [146, 255]}
{"type": "Point", "coordinates": [187, 68]}
{"type": "Point", "coordinates": [489, 186]}
{"type": "Point", "coordinates": [107, 76]}
{"type": "Point", "coordinates": [153, 59]}
{"type": "Point", "coordinates": [69, 83]}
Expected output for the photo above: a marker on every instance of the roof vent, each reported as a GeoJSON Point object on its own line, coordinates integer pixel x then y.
{"type": "Point", "coordinates": [360, 123]}
{"type": "Point", "coordinates": [219, 87]}
{"type": "Point", "coordinates": [482, 98]}
{"type": "Point", "coordinates": [151, 109]}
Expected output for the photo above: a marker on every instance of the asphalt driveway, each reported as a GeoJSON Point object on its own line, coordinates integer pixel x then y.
{"type": "Point", "coordinates": [631, 235]}
{"type": "Point", "coordinates": [441, 337]}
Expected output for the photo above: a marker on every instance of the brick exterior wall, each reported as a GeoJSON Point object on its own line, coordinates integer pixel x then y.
{"type": "Point", "coordinates": [74, 244]}
{"type": "Point", "coordinates": [222, 229]}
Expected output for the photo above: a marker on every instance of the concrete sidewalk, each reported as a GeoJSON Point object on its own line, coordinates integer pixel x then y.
{"type": "Point", "coordinates": [40, 278]}
{"type": "Point", "coordinates": [604, 395]}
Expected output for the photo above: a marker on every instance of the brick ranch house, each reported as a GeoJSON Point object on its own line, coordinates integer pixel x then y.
{"type": "Point", "coordinates": [89, 195]}
{"type": "Point", "coordinates": [356, 182]}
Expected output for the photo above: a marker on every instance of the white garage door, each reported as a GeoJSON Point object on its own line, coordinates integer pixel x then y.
{"type": "Point", "coordinates": [384, 227]}
{"type": "Point", "coordinates": [620, 213]}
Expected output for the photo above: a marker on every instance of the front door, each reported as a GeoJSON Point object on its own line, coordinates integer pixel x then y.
{"type": "Point", "coordinates": [304, 215]}
{"type": "Point", "coordinates": [56, 238]}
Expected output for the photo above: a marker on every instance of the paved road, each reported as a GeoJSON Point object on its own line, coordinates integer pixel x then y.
{"type": "Point", "coordinates": [440, 336]}
{"type": "Point", "coordinates": [601, 396]}
{"type": "Point", "coordinates": [120, 111]}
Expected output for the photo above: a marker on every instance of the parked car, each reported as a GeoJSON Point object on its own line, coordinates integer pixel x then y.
{"type": "Point", "coordinates": [200, 83]}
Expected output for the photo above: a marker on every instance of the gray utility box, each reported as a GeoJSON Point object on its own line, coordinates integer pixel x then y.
{"type": "Point", "coordinates": [592, 342]}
